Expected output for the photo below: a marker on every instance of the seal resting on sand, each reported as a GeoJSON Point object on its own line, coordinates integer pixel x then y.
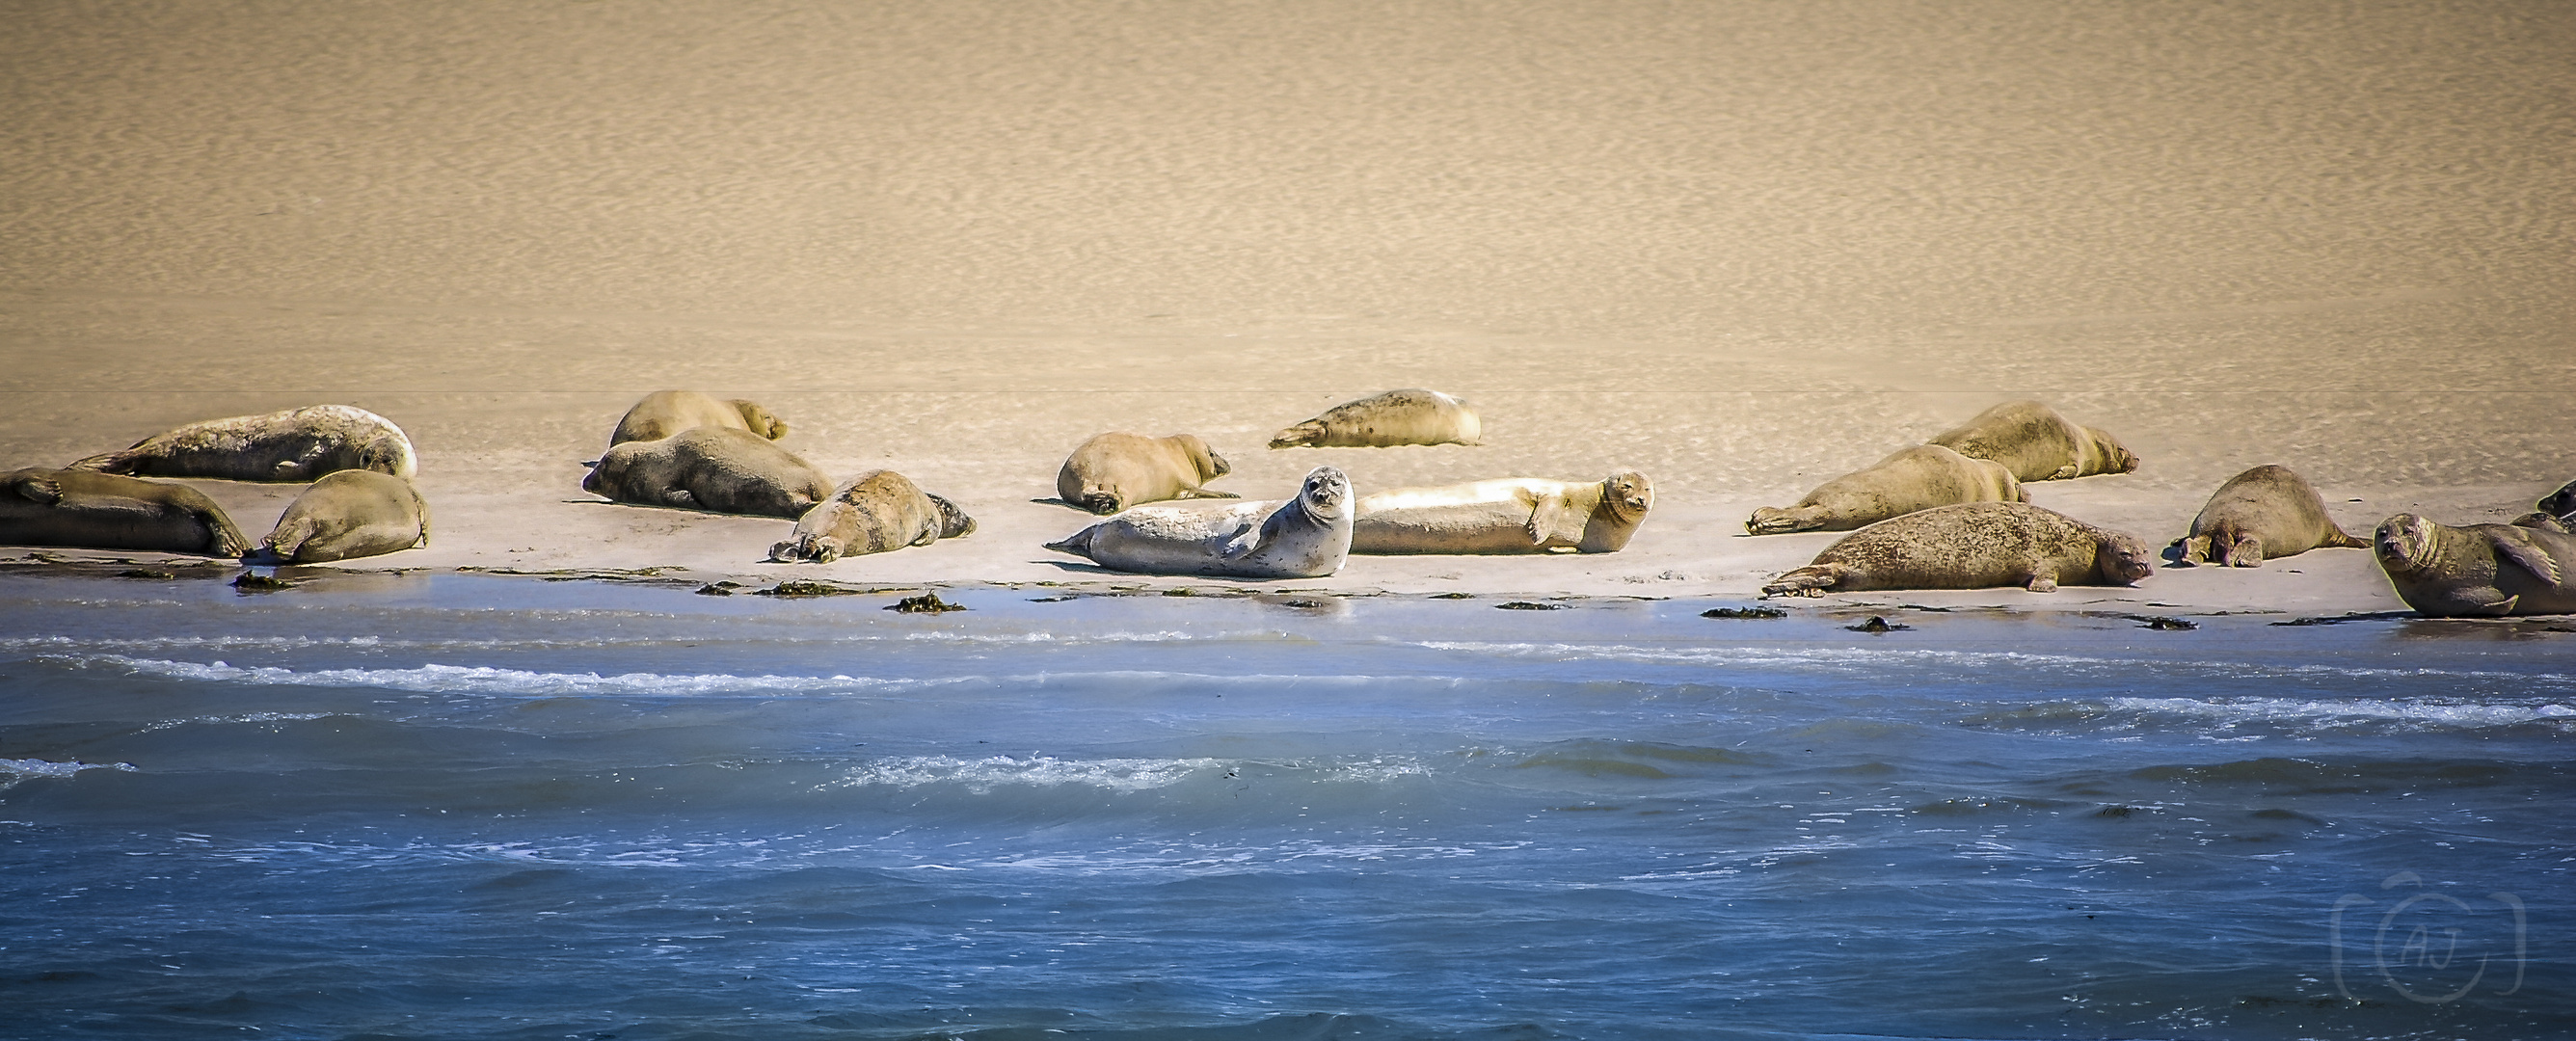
{"type": "Point", "coordinates": [2482, 570]}
{"type": "Point", "coordinates": [1117, 470]}
{"type": "Point", "coordinates": [1397, 417]}
{"type": "Point", "coordinates": [717, 469]}
{"type": "Point", "coordinates": [1304, 537]}
{"type": "Point", "coordinates": [2556, 511]}
{"type": "Point", "coordinates": [2036, 443]}
{"type": "Point", "coordinates": [2267, 511]}
{"type": "Point", "coordinates": [352, 513]}
{"type": "Point", "coordinates": [295, 445]}
{"type": "Point", "coordinates": [1506, 515]}
{"type": "Point", "coordinates": [1909, 479]}
{"type": "Point", "coordinates": [1974, 545]}
{"type": "Point", "coordinates": [877, 511]}
{"type": "Point", "coordinates": [667, 412]}
{"type": "Point", "coordinates": [85, 510]}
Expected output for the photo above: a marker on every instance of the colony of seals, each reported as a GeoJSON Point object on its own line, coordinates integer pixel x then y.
{"type": "Point", "coordinates": [2482, 570]}
{"type": "Point", "coordinates": [717, 469]}
{"type": "Point", "coordinates": [2267, 511]}
{"type": "Point", "coordinates": [1397, 417]}
{"type": "Point", "coordinates": [667, 412]}
{"type": "Point", "coordinates": [875, 512]}
{"type": "Point", "coordinates": [1507, 515]}
{"type": "Point", "coordinates": [1972, 546]}
{"type": "Point", "coordinates": [1910, 479]}
{"type": "Point", "coordinates": [295, 445]}
{"type": "Point", "coordinates": [1117, 470]}
{"type": "Point", "coordinates": [86, 510]}
{"type": "Point", "coordinates": [1304, 537]}
{"type": "Point", "coordinates": [2036, 443]}
{"type": "Point", "coordinates": [345, 515]}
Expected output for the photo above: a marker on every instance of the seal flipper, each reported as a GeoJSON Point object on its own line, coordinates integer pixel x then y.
{"type": "Point", "coordinates": [2511, 544]}
{"type": "Point", "coordinates": [2534, 519]}
{"type": "Point", "coordinates": [1811, 580]}
{"type": "Point", "coordinates": [1553, 519]}
{"type": "Point", "coordinates": [45, 490]}
{"type": "Point", "coordinates": [1205, 493]}
{"type": "Point", "coordinates": [1078, 543]}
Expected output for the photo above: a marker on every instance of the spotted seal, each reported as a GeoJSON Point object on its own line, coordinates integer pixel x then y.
{"type": "Point", "coordinates": [1505, 515]}
{"type": "Point", "coordinates": [2481, 570]}
{"type": "Point", "coordinates": [299, 444]}
{"type": "Point", "coordinates": [1304, 537]}
{"type": "Point", "coordinates": [1397, 417]}
{"type": "Point", "coordinates": [84, 509]}
{"type": "Point", "coordinates": [1975, 545]}
{"type": "Point", "coordinates": [2267, 511]}
{"type": "Point", "coordinates": [1117, 470]}
{"type": "Point", "coordinates": [667, 412]}
{"type": "Point", "coordinates": [717, 469]}
{"type": "Point", "coordinates": [1909, 479]}
{"type": "Point", "coordinates": [2036, 443]}
{"type": "Point", "coordinates": [875, 512]}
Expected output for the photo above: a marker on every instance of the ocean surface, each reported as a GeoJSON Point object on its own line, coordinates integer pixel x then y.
{"type": "Point", "coordinates": [461, 805]}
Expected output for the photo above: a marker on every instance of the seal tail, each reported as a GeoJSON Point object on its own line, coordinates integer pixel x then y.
{"type": "Point", "coordinates": [2336, 539]}
{"type": "Point", "coordinates": [1078, 543]}
{"type": "Point", "coordinates": [1811, 580]}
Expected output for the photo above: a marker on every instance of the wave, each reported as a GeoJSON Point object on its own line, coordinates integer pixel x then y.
{"type": "Point", "coordinates": [1876, 660]}
{"type": "Point", "coordinates": [2432, 712]}
{"type": "Point", "coordinates": [13, 771]}
{"type": "Point", "coordinates": [982, 775]}
{"type": "Point", "coordinates": [484, 679]}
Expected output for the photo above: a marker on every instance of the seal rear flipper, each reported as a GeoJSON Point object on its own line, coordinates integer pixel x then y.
{"type": "Point", "coordinates": [2534, 519]}
{"type": "Point", "coordinates": [1078, 544]}
{"type": "Point", "coordinates": [1773, 520]}
{"type": "Point", "coordinates": [1303, 435]}
{"type": "Point", "coordinates": [32, 488]}
{"type": "Point", "coordinates": [953, 522]}
{"type": "Point", "coordinates": [1205, 493]}
{"type": "Point", "coordinates": [2195, 549]}
{"type": "Point", "coordinates": [1811, 580]}
{"type": "Point", "coordinates": [2511, 544]}
{"type": "Point", "coordinates": [2247, 552]}
{"type": "Point", "coordinates": [2041, 582]}
{"type": "Point", "coordinates": [110, 463]}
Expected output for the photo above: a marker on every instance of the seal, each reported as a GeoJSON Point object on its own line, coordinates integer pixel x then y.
{"type": "Point", "coordinates": [1909, 479]}
{"type": "Point", "coordinates": [1506, 515]}
{"type": "Point", "coordinates": [1975, 545]}
{"type": "Point", "coordinates": [295, 445]}
{"type": "Point", "coordinates": [2036, 443]}
{"type": "Point", "coordinates": [716, 469]}
{"type": "Point", "coordinates": [2482, 570]}
{"type": "Point", "coordinates": [1117, 470]}
{"type": "Point", "coordinates": [352, 513]}
{"type": "Point", "coordinates": [1304, 537]}
{"type": "Point", "coordinates": [667, 412]}
{"type": "Point", "coordinates": [2556, 510]}
{"type": "Point", "coordinates": [83, 509]}
{"type": "Point", "coordinates": [1397, 417]}
{"type": "Point", "coordinates": [877, 511]}
{"type": "Point", "coordinates": [2267, 511]}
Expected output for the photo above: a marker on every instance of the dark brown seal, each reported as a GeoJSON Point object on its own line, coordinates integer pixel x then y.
{"type": "Point", "coordinates": [85, 510]}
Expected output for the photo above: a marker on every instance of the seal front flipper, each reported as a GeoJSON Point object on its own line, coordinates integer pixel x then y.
{"type": "Point", "coordinates": [1205, 493]}
{"type": "Point", "coordinates": [2512, 544]}
{"type": "Point", "coordinates": [1553, 519]}
{"type": "Point", "coordinates": [32, 488]}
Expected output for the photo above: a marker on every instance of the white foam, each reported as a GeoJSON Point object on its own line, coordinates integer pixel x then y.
{"type": "Point", "coordinates": [488, 680]}
{"type": "Point", "coordinates": [983, 775]}
{"type": "Point", "coordinates": [1875, 660]}
{"type": "Point", "coordinates": [15, 770]}
{"type": "Point", "coordinates": [2437, 712]}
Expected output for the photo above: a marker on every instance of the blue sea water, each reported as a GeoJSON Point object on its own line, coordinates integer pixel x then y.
{"type": "Point", "coordinates": [458, 805]}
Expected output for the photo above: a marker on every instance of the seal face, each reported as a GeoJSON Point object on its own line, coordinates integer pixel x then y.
{"type": "Point", "coordinates": [875, 512]}
{"type": "Point", "coordinates": [2036, 443]}
{"type": "Point", "coordinates": [2267, 511]}
{"type": "Point", "coordinates": [352, 513]}
{"type": "Point", "coordinates": [2482, 570]}
{"type": "Point", "coordinates": [1908, 480]}
{"type": "Point", "coordinates": [716, 469]}
{"type": "Point", "coordinates": [1972, 546]}
{"type": "Point", "coordinates": [1397, 417]}
{"type": "Point", "coordinates": [1116, 470]}
{"type": "Point", "coordinates": [299, 444]}
{"type": "Point", "coordinates": [83, 509]}
{"type": "Point", "coordinates": [667, 412]}
{"type": "Point", "coordinates": [1304, 537]}
{"type": "Point", "coordinates": [1505, 515]}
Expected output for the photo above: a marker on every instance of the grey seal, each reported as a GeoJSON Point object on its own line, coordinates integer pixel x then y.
{"type": "Point", "coordinates": [87, 510]}
{"type": "Point", "coordinates": [2267, 511]}
{"type": "Point", "coordinates": [717, 469]}
{"type": "Point", "coordinates": [1304, 537]}
{"type": "Point", "coordinates": [2036, 443]}
{"type": "Point", "coordinates": [2482, 570]}
{"type": "Point", "coordinates": [667, 412]}
{"type": "Point", "coordinates": [1504, 515]}
{"type": "Point", "coordinates": [1909, 479]}
{"type": "Point", "coordinates": [1117, 470]}
{"type": "Point", "coordinates": [352, 513]}
{"type": "Point", "coordinates": [1974, 545]}
{"type": "Point", "coordinates": [1397, 417]}
{"type": "Point", "coordinates": [299, 444]}
{"type": "Point", "coordinates": [875, 512]}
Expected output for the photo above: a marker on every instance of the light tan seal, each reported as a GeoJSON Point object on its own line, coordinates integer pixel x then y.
{"type": "Point", "coordinates": [1976, 545]}
{"type": "Point", "coordinates": [82, 509]}
{"type": "Point", "coordinates": [349, 514]}
{"type": "Point", "coordinates": [1117, 470]}
{"type": "Point", "coordinates": [299, 444]}
{"type": "Point", "coordinates": [1305, 537]}
{"type": "Point", "coordinates": [1910, 479]}
{"type": "Point", "coordinates": [1505, 515]}
{"type": "Point", "coordinates": [875, 512]}
{"type": "Point", "coordinates": [1397, 417]}
{"type": "Point", "coordinates": [717, 469]}
{"type": "Point", "coordinates": [2267, 511]}
{"type": "Point", "coordinates": [2036, 443]}
{"type": "Point", "coordinates": [667, 412]}
{"type": "Point", "coordinates": [2482, 570]}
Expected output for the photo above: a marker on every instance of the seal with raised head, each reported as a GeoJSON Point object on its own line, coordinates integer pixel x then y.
{"type": "Point", "coordinates": [1909, 479]}
{"type": "Point", "coordinates": [2267, 511]}
{"type": "Point", "coordinates": [717, 469]}
{"type": "Point", "coordinates": [1304, 537]}
{"type": "Point", "coordinates": [1397, 417]}
{"type": "Point", "coordinates": [1977, 545]}
{"type": "Point", "coordinates": [667, 412]}
{"type": "Point", "coordinates": [1117, 470]}
{"type": "Point", "coordinates": [877, 511]}
{"type": "Point", "coordinates": [1505, 515]}
{"type": "Point", "coordinates": [2036, 443]}
{"type": "Point", "coordinates": [352, 513]}
{"type": "Point", "coordinates": [83, 509]}
{"type": "Point", "coordinates": [300, 444]}
{"type": "Point", "coordinates": [2482, 570]}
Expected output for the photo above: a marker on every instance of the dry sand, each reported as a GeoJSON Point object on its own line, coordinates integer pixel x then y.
{"type": "Point", "coordinates": [1742, 248]}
